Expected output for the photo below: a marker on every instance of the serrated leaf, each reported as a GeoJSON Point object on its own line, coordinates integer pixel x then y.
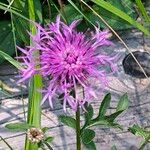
{"type": "Point", "coordinates": [18, 126]}
{"type": "Point", "coordinates": [104, 105]}
{"type": "Point", "coordinates": [10, 59]}
{"type": "Point", "coordinates": [87, 136]}
{"type": "Point", "coordinates": [49, 139]}
{"type": "Point", "coordinates": [69, 121]}
{"type": "Point", "coordinates": [90, 146]}
{"type": "Point", "coordinates": [123, 103]}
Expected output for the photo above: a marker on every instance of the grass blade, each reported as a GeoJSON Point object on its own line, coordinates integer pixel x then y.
{"type": "Point", "coordinates": [143, 11]}
{"type": "Point", "coordinates": [121, 14]}
{"type": "Point", "coordinates": [10, 59]}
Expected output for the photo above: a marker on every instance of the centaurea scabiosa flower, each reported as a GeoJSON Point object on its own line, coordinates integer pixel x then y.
{"type": "Point", "coordinates": [70, 59]}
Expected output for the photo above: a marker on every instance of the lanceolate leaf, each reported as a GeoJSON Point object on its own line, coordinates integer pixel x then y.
{"type": "Point", "coordinates": [18, 126]}
{"type": "Point", "coordinates": [105, 123]}
{"type": "Point", "coordinates": [104, 105]}
{"type": "Point", "coordinates": [123, 103]}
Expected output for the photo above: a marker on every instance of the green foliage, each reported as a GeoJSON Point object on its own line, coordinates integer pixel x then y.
{"type": "Point", "coordinates": [112, 19]}
{"type": "Point", "coordinates": [69, 121]}
{"type": "Point", "coordinates": [139, 131]}
{"type": "Point", "coordinates": [18, 126]}
{"type": "Point", "coordinates": [104, 105]}
{"type": "Point", "coordinates": [10, 59]}
{"type": "Point", "coordinates": [143, 11]}
{"type": "Point", "coordinates": [107, 120]}
{"type": "Point", "coordinates": [49, 139]}
{"type": "Point", "coordinates": [45, 129]}
{"type": "Point", "coordinates": [87, 136]}
{"type": "Point", "coordinates": [71, 13]}
{"type": "Point", "coordinates": [90, 146]}
{"type": "Point", "coordinates": [89, 114]}
{"type": "Point", "coordinates": [121, 14]}
{"type": "Point", "coordinates": [123, 103]}
{"type": "Point", "coordinates": [6, 38]}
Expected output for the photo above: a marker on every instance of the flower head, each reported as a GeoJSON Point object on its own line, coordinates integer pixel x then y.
{"type": "Point", "coordinates": [35, 135]}
{"type": "Point", "coordinates": [70, 59]}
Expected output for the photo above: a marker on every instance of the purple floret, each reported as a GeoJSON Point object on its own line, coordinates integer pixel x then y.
{"type": "Point", "coordinates": [70, 59]}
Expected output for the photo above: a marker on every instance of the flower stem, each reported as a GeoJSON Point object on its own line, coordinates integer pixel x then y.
{"type": "Point", "coordinates": [34, 109]}
{"type": "Point", "coordinates": [78, 138]}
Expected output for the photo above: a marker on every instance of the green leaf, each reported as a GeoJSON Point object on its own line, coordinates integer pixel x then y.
{"type": "Point", "coordinates": [10, 59]}
{"type": "Point", "coordinates": [35, 97]}
{"type": "Point", "coordinates": [104, 122]}
{"type": "Point", "coordinates": [113, 20]}
{"type": "Point", "coordinates": [13, 11]}
{"type": "Point", "coordinates": [71, 13]}
{"type": "Point", "coordinates": [87, 136]}
{"type": "Point", "coordinates": [123, 103]}
{"type": "Point", "coordinates": [143, 11]}
{"type": "Point", "coordinates": [139, 131]}
{"type": "Point", "coordinates": [49, 139]}
{"type": "Point", "coordinates": [90, 146]}
{"type": "Point", "coordinates": [88, 113]}
{"type": "Point", "coordinates": [113, 147]}
{"type": "Point", "coordinates": [121, 14]}
{"type": "Point", "coordinates": [21, 25]}
{"type": "Point", "coordinates": [104, 105]}
{"type": "Point", "coordinates": [86, 18]}
{"type": "Point", "coordinates": [6, 39]}
{"type": "Point", "coordinates": [113, 116]}
{"type": "Point", "coordinates": [69, 121]}
{"type": "Point", "coordinates": [45, 129]}
{"type": "Point", "coordinates": [18, 126]}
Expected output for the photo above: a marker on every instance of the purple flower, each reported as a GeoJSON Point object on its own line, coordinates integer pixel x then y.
{"type": "Point", "coordinates": [71, 60]}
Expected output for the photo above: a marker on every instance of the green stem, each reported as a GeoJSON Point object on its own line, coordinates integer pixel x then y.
{"type": "Point", "coordinates": [78, 137]}
{"type": "Point", "coordinates": [49, 147]}
{"type": "Point", "coordinates": [34, 109]}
